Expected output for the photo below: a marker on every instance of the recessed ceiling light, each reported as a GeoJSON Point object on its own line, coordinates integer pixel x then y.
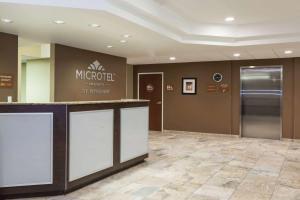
{"type": "Point", "coordinates": [123, 41]}
{"type": "Point", "coordinates": [126, 35]}
{"type": "Point", "coordinates": [7, 20]}
{"type": "Point", "coordinates": [229, 19]}
{"type": "Point", "coordinates": [288, 51]}
{"type": "Point", "coordinates": [94, 25]}
{"type": "Point", "coordinates": [236, 54]}
{"type": "Point", "coordinates": [251, 67]}
{"type": "Point", "coordinates": [172, 58]}
{"type": "Point", "coordinates": [59, 22]}
{"type": "Point", "coordinates": [109, 46]}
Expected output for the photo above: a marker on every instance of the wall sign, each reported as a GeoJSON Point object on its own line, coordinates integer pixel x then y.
{"type": "Point", "coordinates": [217, 77]}
{"type": "Point", "coordinates": [6, 81]}
{"type": "Point", "coordinates": [224, 88]}
{"type": "Point", "coordinates": [170, 88]}
{"type": "Point", "coordinates": [83, 75]}
{"type": "Point", "coordinates": [189, 86]}
{"type": "Point", "coordinates": [212, 88]}
{"type": "Point", "coordinates": [97, 77]}
{"type": "Point", "coordinates": [218, 88]}
{"type": "Point", "coordinates": [149, 88]}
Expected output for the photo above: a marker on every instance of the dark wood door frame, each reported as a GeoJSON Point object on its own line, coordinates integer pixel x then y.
{"type": "Point", "coordinates": [162, 93]}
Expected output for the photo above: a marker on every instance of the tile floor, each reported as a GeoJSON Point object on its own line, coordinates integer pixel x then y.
{"type": "Point", "coordinates": [193, 166]}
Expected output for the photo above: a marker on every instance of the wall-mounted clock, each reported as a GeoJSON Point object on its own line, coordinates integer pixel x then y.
{"type": "Point", "coordinates": [217, 77]}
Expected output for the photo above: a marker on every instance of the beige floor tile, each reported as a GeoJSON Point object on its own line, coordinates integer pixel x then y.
{"type": "Point", "coordinates": [229, 177]}
{"type": "Point", "coordinates": [290, 174]}
{"type": "Point", "coordinates": [247, 163]}
{"type": "Point", "coordinates": [246, 195]}
{"type": "Point", "coordinates": [258, 183]}
{"type": "Point", "coordinates": [213, 192]}
{"type": "Point", "coordinates": [196, 166]}
{"type": "Point", "coordinates": [286, 193]}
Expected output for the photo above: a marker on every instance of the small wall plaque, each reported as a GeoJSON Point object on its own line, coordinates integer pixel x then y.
{"type": "Point", "coordinates": [6, 81]}
{"type": "Point", "coordinates": [218, 88]}
{"type": "Point", "coordinates": [212, 88]}
{"type": "Point", "coordinates": [149, 88]}
{"type": "Point", "coordinates": [170, 88]}
{"type": "Point", "coordinates": [224, 88]}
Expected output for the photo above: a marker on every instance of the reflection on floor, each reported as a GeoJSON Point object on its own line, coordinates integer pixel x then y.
{"type": "Point", "coordinates": [204, 167]}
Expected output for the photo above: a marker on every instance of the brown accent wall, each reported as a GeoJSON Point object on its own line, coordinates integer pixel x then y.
{"type": "Point", "coordinates": [9, 64]}
{"type": "Point", "coordinates": [202, 112]}
{"type": "Point", "coordinates": [297, 98]}
{"type": "Point", "coordinates": [220, 113]}
{"type": "Point", "coordinates": [68, 88]}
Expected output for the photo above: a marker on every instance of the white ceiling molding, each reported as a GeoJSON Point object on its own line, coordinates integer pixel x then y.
{"type": "Point", "coordinates": [157, 17]}
{"type": "Point", "coordinates": [209, 34]}
{"type": "Point", "coordinates": [190, 30]}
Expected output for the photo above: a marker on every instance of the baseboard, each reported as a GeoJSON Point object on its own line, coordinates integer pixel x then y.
{"type": "Point", "coordinates": [201, 133]}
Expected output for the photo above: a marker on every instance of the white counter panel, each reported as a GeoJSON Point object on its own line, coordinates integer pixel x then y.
{"type": "Point", "coordinates": [26, 147]}
{"type": "Point", "coordinates": [134, 132]}
{"type": "Point", "coordinates": [91, 142]}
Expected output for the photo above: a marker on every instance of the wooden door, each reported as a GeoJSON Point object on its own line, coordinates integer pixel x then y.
{"type": "Point", "coordinates": [150, 88]}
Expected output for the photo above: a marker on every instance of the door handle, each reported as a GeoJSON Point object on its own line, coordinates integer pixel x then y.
{"type": "Point", "coordinates": [159, 102]}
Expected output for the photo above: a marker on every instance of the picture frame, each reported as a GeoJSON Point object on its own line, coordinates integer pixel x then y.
{"type": "Point", "coordinates": [189, 86]}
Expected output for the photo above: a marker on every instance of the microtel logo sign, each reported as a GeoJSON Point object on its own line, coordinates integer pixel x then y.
{"type": "Point", "coordinates": [94, 72]}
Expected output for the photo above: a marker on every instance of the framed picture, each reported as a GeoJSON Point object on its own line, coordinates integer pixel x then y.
{"type": "Point", "coordinates": [189, 86]}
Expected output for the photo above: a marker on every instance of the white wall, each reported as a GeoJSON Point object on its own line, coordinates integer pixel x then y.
{"type": "Point", "coordinates": [38, 80]}
{"type": "Point", "coordinates": [29, 50]}
{"type": "Point", "coordinates": [23, 83]}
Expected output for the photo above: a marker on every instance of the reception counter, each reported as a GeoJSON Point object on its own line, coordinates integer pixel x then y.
{"type": "Point", "coordinates": [55, 148]}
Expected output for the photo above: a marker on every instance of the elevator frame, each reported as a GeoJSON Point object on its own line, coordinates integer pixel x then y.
{"type": "Point", "coordinates": [281, 97]}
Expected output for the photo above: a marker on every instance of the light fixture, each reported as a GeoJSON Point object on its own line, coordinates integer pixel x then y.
{"type": "Point", "coordinates": [126, 36]}
{"type": "Point", "coordinates": [94, 25]}
{"type": "Point", "coordinates": [6, 20]}
{"type": "Point", "coordinates": [123, 41]}
{"type": "Point", "coordinates": [236, 54]}
{"type": "Point", "coordinates": [229, 19]}
{"type": "Point", "coordinates": [109, 46]}
{"type": "Point", "coordinates": [288, 51]}
{"type": "Point", "coordinates": [172, 58]}
{"type": "Point", "coordinates": [59, 22]}
{"type": "Point", "coordinates": [251, 67]}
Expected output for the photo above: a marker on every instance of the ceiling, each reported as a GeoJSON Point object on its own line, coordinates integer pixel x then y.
{"type": "Point", "coordinates": [190, 30]}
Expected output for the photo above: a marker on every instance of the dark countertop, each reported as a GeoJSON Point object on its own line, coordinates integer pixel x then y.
{"type": "Point", "coordinates": [78, 102]}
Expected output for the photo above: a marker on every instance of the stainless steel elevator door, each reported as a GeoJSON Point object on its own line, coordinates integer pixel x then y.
{"type": "Point", "coordinates": [261, 92]}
